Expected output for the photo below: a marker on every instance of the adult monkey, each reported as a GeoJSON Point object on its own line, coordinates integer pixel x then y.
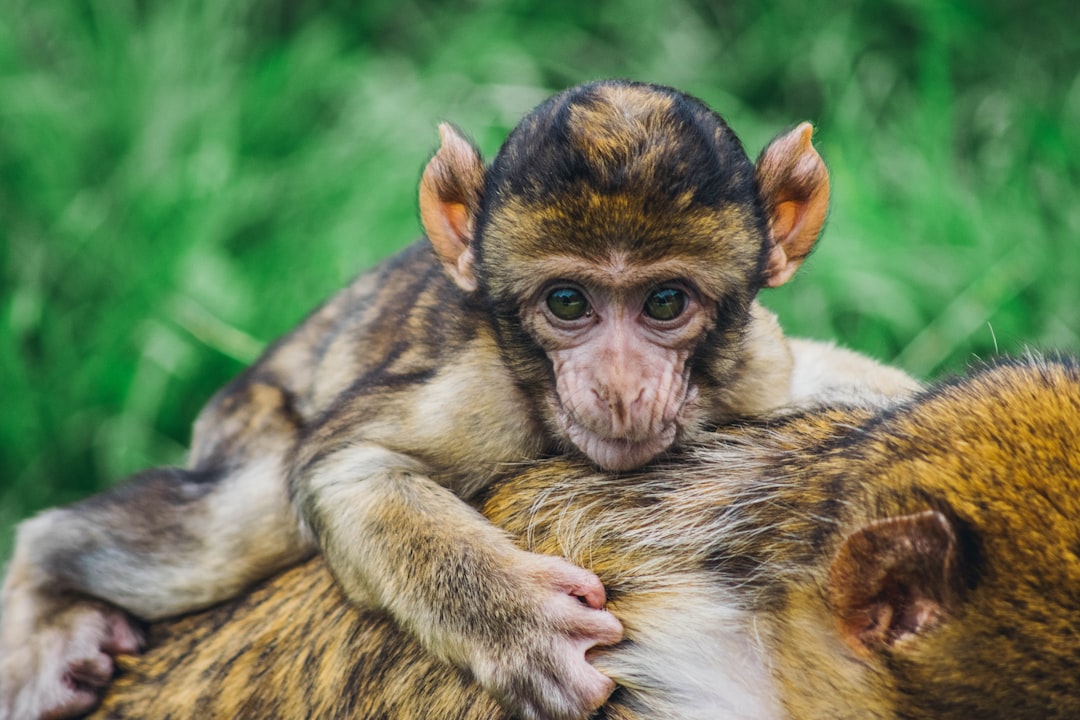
{"type": "Point", "coordinates": [592, 291]}
{"type": "Point", "coordinates": [918, 562]}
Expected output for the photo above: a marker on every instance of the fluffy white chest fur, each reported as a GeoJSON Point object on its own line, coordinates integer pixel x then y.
{"type": "Point", "coordinates": [694, 655]}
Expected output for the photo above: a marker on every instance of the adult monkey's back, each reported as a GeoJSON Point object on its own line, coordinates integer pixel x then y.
{"type": "Point", "coordinates": [592, 291]}
{"type": "Point", "coordinates": [917, 562]}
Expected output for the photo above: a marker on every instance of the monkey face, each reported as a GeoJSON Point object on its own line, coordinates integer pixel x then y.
{"type": "Point", "coordinates": [619, 357]}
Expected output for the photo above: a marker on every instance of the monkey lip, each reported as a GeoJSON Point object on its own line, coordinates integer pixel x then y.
{"type": "Point", "coordinates": [619, 453]}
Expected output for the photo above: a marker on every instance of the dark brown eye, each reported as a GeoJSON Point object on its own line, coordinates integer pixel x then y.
{"type": "Point", "coordinates": [665, 304]}
{"type": "Point", "coordinates": [567, 303]}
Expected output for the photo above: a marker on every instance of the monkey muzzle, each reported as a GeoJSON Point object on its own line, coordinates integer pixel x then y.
{"type": "Point", "coordinates": [620, 435]}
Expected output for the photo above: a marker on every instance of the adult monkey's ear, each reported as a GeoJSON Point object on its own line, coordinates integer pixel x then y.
{"type": "Point", "coordinates": [794, 187]}
{"type": "Point", "coordinates": [894, 579]}
{"type": "Point", "coordinates": [450, 192]}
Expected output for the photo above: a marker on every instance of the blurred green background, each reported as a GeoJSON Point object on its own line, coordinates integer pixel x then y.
{"type": "Point", "coordinates": [180, 181]}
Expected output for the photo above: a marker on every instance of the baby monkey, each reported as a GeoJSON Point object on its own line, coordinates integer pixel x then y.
{"type": "Point", "coordinates": [592, 291]}
{"type": "Point", "coordinates": [914, 563]}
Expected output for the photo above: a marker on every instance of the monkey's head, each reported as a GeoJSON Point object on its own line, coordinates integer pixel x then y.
{"type": "Point", "coordinates": [953, 581]}
{"type": "Point", "coordinates": [619, 239]}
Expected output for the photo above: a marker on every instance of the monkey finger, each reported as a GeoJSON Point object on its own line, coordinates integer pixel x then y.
{"type": "Point", "coordinates": [591, 594]}
{"type": "Point", "coordinates": [39, 683]}
{"type": "Point", "coordinates": [89, 672]}
{"type": "Point", "coordinates": [576, 691]}
{"type": "Point", "coordinates": [568, 578]}
{"type": "Point", "coordinates": [123, 636]}
{"type": "Point", "coordinates": [76, 701]}
{"type": "Point", "coordinates": [598, 686]}
{"type": "Point", "coordinates": [587, 626]}
{"type": "Point", "coordinates": [607, 630]}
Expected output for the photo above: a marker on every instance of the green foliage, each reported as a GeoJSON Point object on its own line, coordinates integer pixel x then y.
{"type": "Point", "coordinates": [181, 181]}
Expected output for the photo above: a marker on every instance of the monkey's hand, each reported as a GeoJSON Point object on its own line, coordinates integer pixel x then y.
{"type": "Point", "coordinates": [520, 622]}
{"type": "Point", "coordinates": [56, 652]}
{"type": "Point", "coordinates": [530, 648]}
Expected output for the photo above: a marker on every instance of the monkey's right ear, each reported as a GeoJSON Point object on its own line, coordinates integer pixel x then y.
{"type": "Point", "coordinates": [794, 186]}
{"type": "Point", "coordinates": [894, 579]}
{"type": "Point", "coordinates": [450, 191]}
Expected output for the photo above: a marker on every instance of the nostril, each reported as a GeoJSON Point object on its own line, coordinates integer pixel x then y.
{"type": "Point", "coordinates": [616, 406]}
{"type": "Point", "coordinates": [618, 410]}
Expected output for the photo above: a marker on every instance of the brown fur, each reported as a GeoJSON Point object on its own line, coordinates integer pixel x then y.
{"type": "Point", "coordinates": [975, 485]}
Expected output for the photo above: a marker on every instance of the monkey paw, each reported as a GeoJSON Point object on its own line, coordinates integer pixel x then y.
{"type": "Point", "coordinates": [60, 667]}
{"type": "Point", "coordinates": [541, 670]}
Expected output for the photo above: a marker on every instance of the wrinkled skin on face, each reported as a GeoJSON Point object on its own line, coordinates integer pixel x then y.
{"type": "Point", "coordinates": [619, 355]}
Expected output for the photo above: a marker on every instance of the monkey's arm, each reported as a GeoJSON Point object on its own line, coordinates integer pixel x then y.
{"type": "Point", "coordinates": [395, 539]}
{"type": "Point", "coordinates": [810, 374]}
{"type": "Point", "coordinates": [296, 647]}
{"type": "Point", "coordinates": [423, 549]}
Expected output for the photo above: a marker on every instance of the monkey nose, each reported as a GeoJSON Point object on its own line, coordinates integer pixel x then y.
{"type": "Point", "coordinates": [620, 408]}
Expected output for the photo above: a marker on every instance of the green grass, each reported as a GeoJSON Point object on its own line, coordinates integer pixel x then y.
{"type": "Point", "coordinates": [181, 181]}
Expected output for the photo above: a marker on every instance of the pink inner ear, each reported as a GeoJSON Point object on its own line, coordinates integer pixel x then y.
{"type": "Point", "coordinates": [456, 217]}
{"type": "Point", "coordinates": [896, 613]}
{"type": "Point", "coordinates": [453, 246]}
{"type": "Point", "coordinates": [449, 192]}
{"type": "Point", "coordinates": [922, 613]}
{"type": "Point", "coordinates": [778, 270]}
{"type": "Point", "coordinates": [784, 218]}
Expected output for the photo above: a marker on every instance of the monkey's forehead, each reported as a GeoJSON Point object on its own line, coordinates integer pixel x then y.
{"type": "Point", "coordinates": [715, 248]}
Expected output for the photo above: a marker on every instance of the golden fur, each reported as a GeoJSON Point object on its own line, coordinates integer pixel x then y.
{"type": "Point", "coordinates": [723, 564]}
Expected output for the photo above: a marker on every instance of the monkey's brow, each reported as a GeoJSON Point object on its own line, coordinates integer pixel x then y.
{"type": "Point", "coordinates": [616, 272]}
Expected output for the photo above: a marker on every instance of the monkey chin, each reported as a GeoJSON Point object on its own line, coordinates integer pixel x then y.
{"type": "Point", "coordinates": [630, 451]}
{"type": "Point", "coordinates": [619, 454]}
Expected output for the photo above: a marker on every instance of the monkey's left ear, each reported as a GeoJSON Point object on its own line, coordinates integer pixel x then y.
{"type": "Point", "coordinates": [794, 185]}
{"type": "Point", "coordinates": [893, 579]}
{"type": "Point", "coordinates": [450, 191]}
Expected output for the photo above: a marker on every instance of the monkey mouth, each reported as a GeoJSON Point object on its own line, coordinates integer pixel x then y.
{"type": "Point", "coordinates": [626, 448]}
{"type": "Point", "coordinates": [621, 453]}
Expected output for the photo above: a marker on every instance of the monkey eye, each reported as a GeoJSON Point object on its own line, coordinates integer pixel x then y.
{"type": "Point", "coordinates": [567, 303]}
{"type": "Point", "coordinates": [665, 303]}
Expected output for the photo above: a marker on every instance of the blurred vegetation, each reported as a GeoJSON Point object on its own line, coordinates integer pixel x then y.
{"type": "Point", "coordinates": [181, 181]}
